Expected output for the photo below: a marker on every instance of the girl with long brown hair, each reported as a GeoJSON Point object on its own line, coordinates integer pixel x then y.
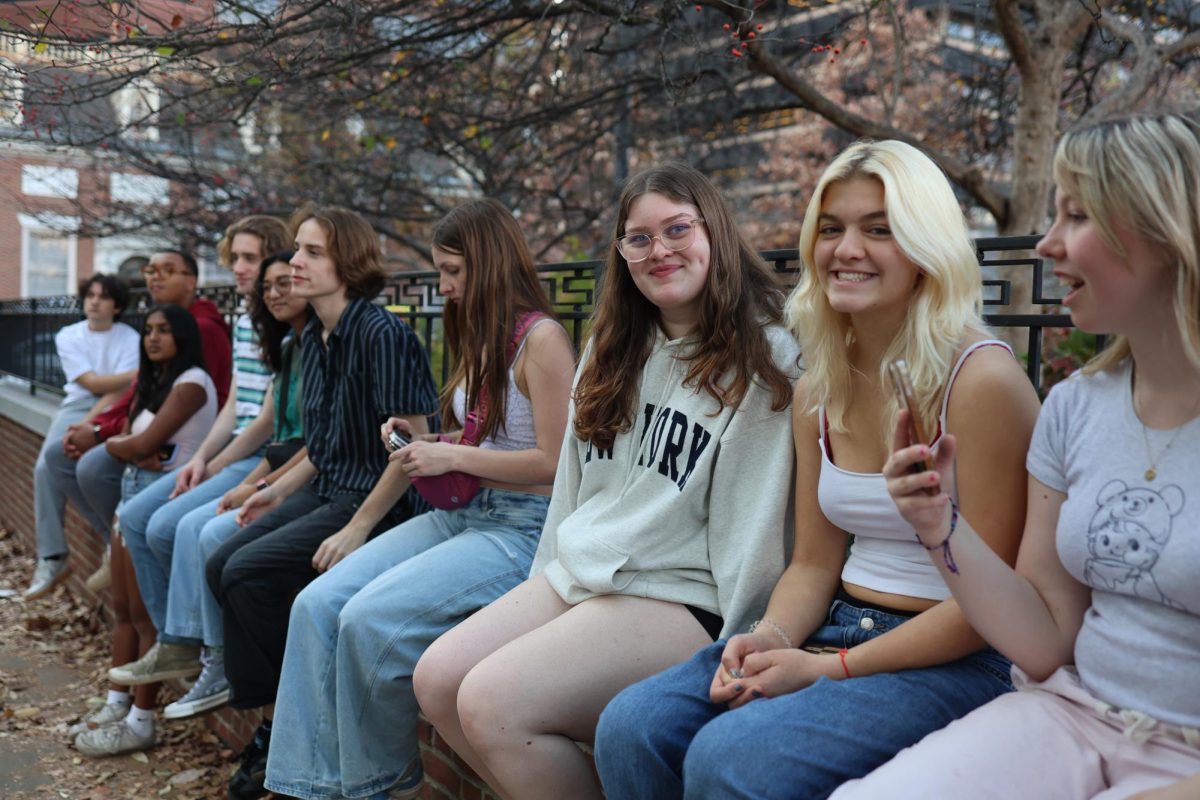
{"type": "Point", "coordinates": [345, 715]}
{"type": "Point", "coordinates": [669, 510]}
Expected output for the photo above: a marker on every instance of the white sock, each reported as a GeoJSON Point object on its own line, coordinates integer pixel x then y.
{"type": "Point", "coordinates": [116, 698]}
{"type": "Point", "coordinates": [141, 721]}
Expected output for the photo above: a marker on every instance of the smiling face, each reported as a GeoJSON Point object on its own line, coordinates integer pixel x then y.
{"type": "Point", "coordinates": [674, 281]}
{"type": "Point", "coordinates": [158, 339]}
{"type": "Point", "coordinates": [1106, 292]}
{"type": "Point", "coordinates": [278, 297]}
{"type": "Point", "coordinates": [247, 254]}
{"type": "Point", "coordinates": [98, 308]}
{"type": "Point", "coordinates": [858, 262]}
{"type": "Point", "coordinates": [452, 274]}
{"type": "Point", "coordinates": [314, 274]}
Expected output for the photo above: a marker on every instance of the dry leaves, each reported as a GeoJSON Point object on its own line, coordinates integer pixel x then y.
{"type": "Point", "coordinates": [54, 656]}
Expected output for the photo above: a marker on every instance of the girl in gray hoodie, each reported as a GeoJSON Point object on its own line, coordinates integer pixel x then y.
{"type": "Point", "coordinates": [667, 522]}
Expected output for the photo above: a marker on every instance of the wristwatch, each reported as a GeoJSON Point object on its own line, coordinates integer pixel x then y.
{"type": "Point", "coordinates": [96, 432]}
{"type": "Point", "coordinates": [262, 484]}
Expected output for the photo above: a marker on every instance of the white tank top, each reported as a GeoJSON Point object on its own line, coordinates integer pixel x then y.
{"type": "Point", "coordinates": [885, 555]}
{"type": "Point", "coordinates": [518, 432]}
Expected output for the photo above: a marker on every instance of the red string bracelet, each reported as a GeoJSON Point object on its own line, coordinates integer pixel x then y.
{"type": "Point", "coordinates": [842, 656]}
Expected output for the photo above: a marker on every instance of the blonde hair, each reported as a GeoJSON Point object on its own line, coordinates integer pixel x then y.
{"type": "Point", "coordinates": [1144, 171]}
{"type": "Point", "coordinates": [272, 234]}
{"type": "Point", "coordinates": [928, 227]}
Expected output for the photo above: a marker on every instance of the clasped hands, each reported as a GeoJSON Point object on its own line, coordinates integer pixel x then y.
{"type": "Point", "coordinates": [755, 665]}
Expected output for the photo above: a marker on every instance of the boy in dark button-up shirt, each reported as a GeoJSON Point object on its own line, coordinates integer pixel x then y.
{"type": "Point", "coordinates": [361, 365]}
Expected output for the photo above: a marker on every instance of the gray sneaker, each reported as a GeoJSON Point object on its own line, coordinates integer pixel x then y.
{"type": "Point", "coordinates": [49, 574]}
{"type": "Point", "coordinates": [210, 691]}
{"type": "Point", "coordinates": [106, 714]}
{"type": "Point", "coordinates": [162, 662]}
{"type": "Point", "coordinates": [112, 740]}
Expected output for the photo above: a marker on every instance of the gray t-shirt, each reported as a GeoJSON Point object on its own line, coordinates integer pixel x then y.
{"type": "Point", "coordinates": [1135, 541]}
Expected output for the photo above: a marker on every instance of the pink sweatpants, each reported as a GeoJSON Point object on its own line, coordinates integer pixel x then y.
{"type": "Point", "coordinates": [1051, 740]}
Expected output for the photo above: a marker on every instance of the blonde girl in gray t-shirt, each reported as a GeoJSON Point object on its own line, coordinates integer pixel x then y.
{"type": "Point", "coordinates": [1101, 616]}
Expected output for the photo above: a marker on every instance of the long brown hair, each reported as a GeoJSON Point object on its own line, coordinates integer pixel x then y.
{"type": "Point", "coordinates": [353, 246]}
{"type": "Point", "coordinates": [501, 285]}
{"type": "Point", "coordinates": [742, 294]}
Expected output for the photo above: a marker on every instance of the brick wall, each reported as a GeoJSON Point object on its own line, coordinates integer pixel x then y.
{"type": "Point", "coordinates": [447, 776]}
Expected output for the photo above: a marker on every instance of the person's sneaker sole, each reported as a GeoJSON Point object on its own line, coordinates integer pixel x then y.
{"type": "Point", "coordinates": [120, 675]}
{"type": "Point", "coordinates": [59, 579]}
{"type": "Point", "coordinates": [178, 710]}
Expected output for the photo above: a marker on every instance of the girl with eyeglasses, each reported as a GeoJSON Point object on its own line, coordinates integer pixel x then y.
{"type": "Point", "coordinates": [854, 658]}
{"type": "Point", "coordinates": [665, 528]}
{"type": "Point", "coordinates": [278, 318]}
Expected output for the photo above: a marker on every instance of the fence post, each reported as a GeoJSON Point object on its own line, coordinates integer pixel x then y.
{"type": "Point", "coordinates": [32, 345]}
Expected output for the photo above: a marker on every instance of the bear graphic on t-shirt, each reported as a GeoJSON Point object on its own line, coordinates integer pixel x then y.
{"type": "Point", "coordinates": [1127, 535]}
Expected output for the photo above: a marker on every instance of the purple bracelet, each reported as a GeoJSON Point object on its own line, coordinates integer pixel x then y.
{"type": "Point", "coordinates": [947, 557]}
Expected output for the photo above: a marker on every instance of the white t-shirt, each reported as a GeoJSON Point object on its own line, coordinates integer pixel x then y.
{"type": "Point", "coordinates": [82, 350]}
{"type": "Point", "coordinates": [189, 436]}
{"type": "Point", "coordinates": [1131, 539]}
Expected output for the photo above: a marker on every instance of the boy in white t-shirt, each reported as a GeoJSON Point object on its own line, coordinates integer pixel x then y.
{"type": "Point", "coordinates": [99, 356]}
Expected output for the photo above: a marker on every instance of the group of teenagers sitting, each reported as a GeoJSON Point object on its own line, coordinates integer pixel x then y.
{"type": "Point", "coordinates": [715, 547]}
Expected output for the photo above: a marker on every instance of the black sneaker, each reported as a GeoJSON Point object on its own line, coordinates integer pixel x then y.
{"type": "Point", "coordinates": [247, 782]}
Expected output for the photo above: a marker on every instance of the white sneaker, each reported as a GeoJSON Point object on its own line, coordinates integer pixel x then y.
{"type": "Point", "coordinates": [49, 574]}
{"type": "Point", "coordinates": [106, 714]}
{"type": "Point", "coordinates": [112, 740]}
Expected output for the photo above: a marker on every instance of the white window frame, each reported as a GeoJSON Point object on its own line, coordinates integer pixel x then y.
{"type": "Point", "coordinates": [49, 180]}
{"type": "Point", "coordinates": [136, 105]}
{"type": "Point", "coordinates": [12, 89]}
{"type": "Point", "coordinates": [49, 223]}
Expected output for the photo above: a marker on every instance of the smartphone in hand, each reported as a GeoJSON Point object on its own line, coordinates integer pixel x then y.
{"type": "Point", "coordinates": [396, 440]}
{"type": "Point", "coordinates": [907, 397]}
{"type": "Point", "coordinates": [166, 454]}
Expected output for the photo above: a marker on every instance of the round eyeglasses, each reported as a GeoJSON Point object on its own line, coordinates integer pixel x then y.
{"type": "Point", "coordinates": [635, 247]}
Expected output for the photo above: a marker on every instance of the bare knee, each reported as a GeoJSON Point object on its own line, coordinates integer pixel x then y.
{"type": "Point", "coordinates": [436, 681]}
{"type": "Point", "coordinates": [482, 713]}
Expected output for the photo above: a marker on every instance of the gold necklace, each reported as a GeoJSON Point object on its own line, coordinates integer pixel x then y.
{"type": "Point", "coordinates": [1152, 471]}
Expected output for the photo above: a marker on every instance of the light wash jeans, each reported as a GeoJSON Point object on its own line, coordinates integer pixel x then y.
{"type": "Point", "coordinates": [345, 715]}
{"type": "Point", "coordinates": [134, 481]}
{"type": "Point", "coordinates": [54, 482]}
{"type": "Point", "coordinates": [193, 614]}
{"type": "Point", "coordinates": [663, 738]}
{"type": "Point", "coordinates": [148, 524]}
{"type": "Point", "coordinates": [93, 482]}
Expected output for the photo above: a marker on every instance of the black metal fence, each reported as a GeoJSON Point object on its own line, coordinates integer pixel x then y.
{"type": "Point", "coordinates": [28, 325]}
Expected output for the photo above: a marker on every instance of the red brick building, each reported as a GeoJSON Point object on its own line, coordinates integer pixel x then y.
{"type": "Point", "coordinates": [50, 192]}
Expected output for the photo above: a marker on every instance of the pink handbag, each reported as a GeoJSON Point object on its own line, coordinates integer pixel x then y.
{"type": "Point", "coordinates": [452, 490]}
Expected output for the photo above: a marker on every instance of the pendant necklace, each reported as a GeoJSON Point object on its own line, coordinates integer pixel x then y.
{"type": "Point", "coordinates": [1152, 471]}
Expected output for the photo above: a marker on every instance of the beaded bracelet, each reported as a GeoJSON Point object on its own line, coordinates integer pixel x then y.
{"type": "Point", "coordinates": [778, 631]}
{"type": "Point", "coordinates": [947, 557]}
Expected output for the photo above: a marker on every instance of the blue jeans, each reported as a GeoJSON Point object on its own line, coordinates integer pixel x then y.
{"type": "Point", "coordinates": [345, 715]}
{"type": "Point", "coordinates": [663, 738]}
{"type": "Point", "coordinates": [148, 524]}
{"type": "Point", "coordinates": [193, 614]}
{"type": "Point", "coordinates": [134, 481]}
